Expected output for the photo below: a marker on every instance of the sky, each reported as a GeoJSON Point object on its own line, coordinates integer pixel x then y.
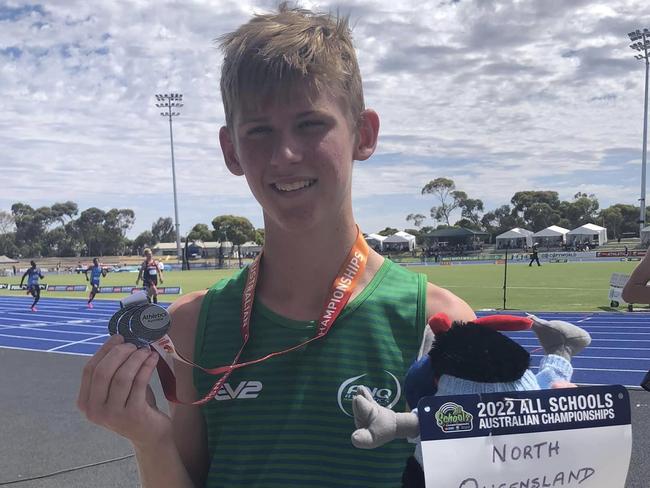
{"type": "Point", "coordinates": [500, 96]}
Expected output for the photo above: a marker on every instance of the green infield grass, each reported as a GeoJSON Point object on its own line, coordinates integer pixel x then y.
{"type": "Point", "coordinates": [551, 287]}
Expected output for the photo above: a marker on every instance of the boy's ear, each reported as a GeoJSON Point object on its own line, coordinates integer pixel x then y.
{"type": "Point", "coordinates": [367, 133]}
{"type": "Point", "coordinates": [229, 152]}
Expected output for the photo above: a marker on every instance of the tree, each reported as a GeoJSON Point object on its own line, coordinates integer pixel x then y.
{"type": "Point", "coordinates": [144, 239]}
{"type": "Point", "coordinates": [31, 225]}
{"type": "Point", "coordinates": [90, 226]}
{"type": "Point", "coordinates": [237, 230]}
{"type": "Point", "coordinates": [620, 219]}
{"type": "Point", "coordinates": [66, 209]}
{"type": "Point", "coordinates": [116, 224]}
{"type": "Point", "coordinates": [8, 235]}
{"type": "Point", "coordinates": [259, 236]}
{"type": "Point", "coordinates": [582, 210]}
{"type": "Point", "coordinates": [501, 219]}
{"type": "Point", "coordinates": [163, 230]}
{"type": "Point", "coordinates": [7, 223]}
{"type": "Point", "coordinates": [445, 190]}
{"type": "Point", "coordinates": [200, 232]}
{"type": "Point", "coordinates": [541, 215]}
{"type": "Point", "coordinates": [8, 246]}
{"type": "Point", "coordinates": [523, 200]}
{"type": "Point", "coordinates": [470, 208]}
{"type": "Point", "coordinates": [468, 224]}
{"type": "Point", "coordinates": [61, 242]}
{"type": "Point", "coordinates": [388, 231]}
{"type": "Point", "coordinates": [416, 218]}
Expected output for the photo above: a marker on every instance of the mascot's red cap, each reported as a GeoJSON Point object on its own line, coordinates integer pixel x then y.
{"type": "Point", "coordinates": [441, 323]}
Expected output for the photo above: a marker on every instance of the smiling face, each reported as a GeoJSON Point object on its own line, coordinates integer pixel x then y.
{"type": "Point", "coordinates": [297, 154]}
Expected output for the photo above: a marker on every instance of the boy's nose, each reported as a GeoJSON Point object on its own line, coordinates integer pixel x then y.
{"type": "Point", "coordinates": [286, 151]}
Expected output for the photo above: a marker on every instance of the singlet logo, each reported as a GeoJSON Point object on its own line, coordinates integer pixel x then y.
{"type": "Point", "coordinates": [384, 396]}
{"type": "Point", "coordinates": [244, 390]}
{"type": "Point", "coordinates": [452, 417]}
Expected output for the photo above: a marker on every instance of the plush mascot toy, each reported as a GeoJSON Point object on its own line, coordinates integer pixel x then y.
{"type": "Point", "coordinates": [467, 358]}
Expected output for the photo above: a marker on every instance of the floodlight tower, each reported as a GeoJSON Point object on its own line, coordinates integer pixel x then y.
{"type": "Point", "coordinates": [170, 102]}
{"type": "Point", "coordinates": [641, 44]}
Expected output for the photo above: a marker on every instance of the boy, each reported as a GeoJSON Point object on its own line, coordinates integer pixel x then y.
{"type": "Point", "coordinates": [33, 288]}
{"type": "Point", "coordinates": [96, 272]}
{"type": "Point", "coordinates": [150, 269]}
{"type": "Point", "coordinates": [295, 122]}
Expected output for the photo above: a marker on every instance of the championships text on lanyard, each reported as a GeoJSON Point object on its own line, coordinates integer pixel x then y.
{"type": "Point", "coordinates": [340, 292]}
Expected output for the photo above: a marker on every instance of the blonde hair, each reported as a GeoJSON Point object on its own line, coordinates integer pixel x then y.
{"type": "Point", "coordinates": [146, 250]}
{"type": "Point", "coordinates": [273, 53]}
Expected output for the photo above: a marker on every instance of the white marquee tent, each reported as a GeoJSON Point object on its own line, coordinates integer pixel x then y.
{"type": "Point", "coordinates": [587, 234]}
{"type": "Point", "coordinates": [515, 238]}
{"type": "Point", "coordinates": [645, 236]}
{"type": "Point", "coordinates": [376, 241]}
{"type": "Point", "coordinates": [553, 235]}
{"type": "Point", "coordinates": [400, 241]}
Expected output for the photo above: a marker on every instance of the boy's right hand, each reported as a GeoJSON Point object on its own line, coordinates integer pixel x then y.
{"type": "Point", "coordinates": [115, 393]}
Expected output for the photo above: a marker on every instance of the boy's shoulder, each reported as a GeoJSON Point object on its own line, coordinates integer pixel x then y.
{"type": "Point", "coordinates": [185, 317]}
{"type": "Point", "coordinates": [186, 311]}
{"type": "Point", "coordinates": [442, 300]}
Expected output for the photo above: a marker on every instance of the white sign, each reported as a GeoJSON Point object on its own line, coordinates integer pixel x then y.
{"type": "Point", "coordinates": [549, 438]}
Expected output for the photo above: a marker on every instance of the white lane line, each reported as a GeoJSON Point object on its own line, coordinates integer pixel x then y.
{"type": "Point", "coordinates": [619, 348]}
{"type": "Point", "coordinates": [76, 342]}
{"type": "Point", "coordinates": [32, 338]}
{"type": "Point", "coordinates": [45, 351]}
{"type": "Point", "coordinates": [606, 369]}
{"type": "Point", "coordinates": [574, 358]}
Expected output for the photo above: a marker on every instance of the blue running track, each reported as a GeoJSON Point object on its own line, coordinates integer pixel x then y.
{"type": "Point", "coordinates": [619, 352]}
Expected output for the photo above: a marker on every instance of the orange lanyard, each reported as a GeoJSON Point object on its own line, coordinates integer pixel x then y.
{"type": "Point", "coordinates": [340, 292]}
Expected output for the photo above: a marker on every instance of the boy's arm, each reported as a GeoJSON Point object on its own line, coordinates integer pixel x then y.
{"type": "Point", "coordinates": [441, 300]}
{"type": "Point", "coordinates": [187, 421]}
{"type": "Point", "coordinates": [115, 393]}
{"type": "Point", "coordinates": [23, 278]}
{"type": "Point", "coordinates": [635, 290]}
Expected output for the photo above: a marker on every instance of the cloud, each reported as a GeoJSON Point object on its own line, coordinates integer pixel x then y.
{"type": "Point", "coordinates": [501, 96]}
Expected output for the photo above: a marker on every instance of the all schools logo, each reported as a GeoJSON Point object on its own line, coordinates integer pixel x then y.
{"type": "Point", "coordinates": [452, 417]}
{"type": "Point", "coordinates": [386, 392]}
{"type": "Point", "coordinates": [245, 390]}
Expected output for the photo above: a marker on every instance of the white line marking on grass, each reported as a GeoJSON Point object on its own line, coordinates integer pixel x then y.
{"type": "Point", "coordinates": [76, 342]}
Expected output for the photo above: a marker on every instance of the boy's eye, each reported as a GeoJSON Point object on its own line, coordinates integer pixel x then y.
{"type": "Point", "coordinates": [307, 124]}
{"type": "Point", "coordinates": [259, 129]}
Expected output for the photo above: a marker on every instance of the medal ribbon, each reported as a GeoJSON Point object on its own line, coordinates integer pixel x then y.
{"type": "Point", "coordinates": [340, 292]}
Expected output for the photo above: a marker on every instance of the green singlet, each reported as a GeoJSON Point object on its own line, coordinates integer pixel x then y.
{"type": "Point", "coordinates": [287, 421]}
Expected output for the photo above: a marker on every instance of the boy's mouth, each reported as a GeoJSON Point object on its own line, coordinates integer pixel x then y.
{"type": "Point", "coordinates": [293, 186]}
